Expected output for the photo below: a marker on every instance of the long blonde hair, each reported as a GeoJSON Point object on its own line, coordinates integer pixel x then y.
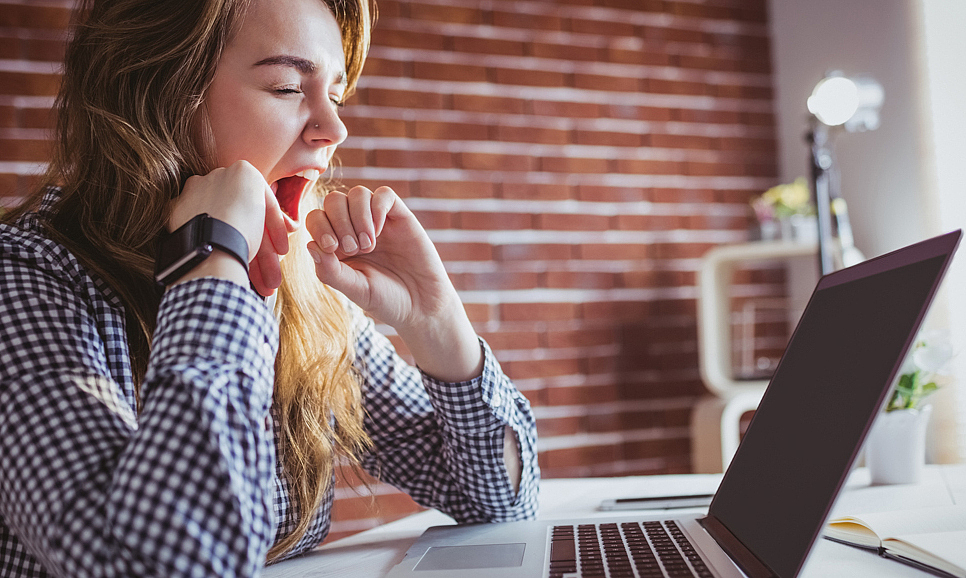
{"type": "Point", "coordinates": [135, 75]}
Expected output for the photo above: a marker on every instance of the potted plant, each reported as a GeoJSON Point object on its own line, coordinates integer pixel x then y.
{"type": "Point", "coordinates": [786, 212]}
{"type": "Point", "coordinates": [896, 448]}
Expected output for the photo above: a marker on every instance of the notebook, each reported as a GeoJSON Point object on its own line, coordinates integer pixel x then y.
{"type": "Point", "coordinates": [775, 497]}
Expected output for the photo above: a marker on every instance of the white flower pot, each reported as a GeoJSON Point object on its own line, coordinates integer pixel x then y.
{"type": "Point", "coordinates": [895, 450]}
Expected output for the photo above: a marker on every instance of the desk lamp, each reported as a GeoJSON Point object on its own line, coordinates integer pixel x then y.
{"type": "Point", "coordinates": [853, 104]}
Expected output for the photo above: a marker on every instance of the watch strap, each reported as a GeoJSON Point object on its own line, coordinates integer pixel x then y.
{"type": "Point", "coordinates": [223, 236]}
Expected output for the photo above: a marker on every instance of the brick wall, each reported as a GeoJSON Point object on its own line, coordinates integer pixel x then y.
{"type": "Point", "coordinates": [572, 159]}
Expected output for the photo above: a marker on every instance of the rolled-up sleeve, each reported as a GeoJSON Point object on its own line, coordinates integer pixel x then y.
{"type": "Point", "coordinates": [443, 443]}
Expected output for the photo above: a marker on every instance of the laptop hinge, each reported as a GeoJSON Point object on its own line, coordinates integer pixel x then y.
{"type": "Point", "coordinates": [742, 556]}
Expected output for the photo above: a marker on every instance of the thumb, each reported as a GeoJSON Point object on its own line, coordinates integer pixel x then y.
{"type": "Point", "coordinates": [338, 275]}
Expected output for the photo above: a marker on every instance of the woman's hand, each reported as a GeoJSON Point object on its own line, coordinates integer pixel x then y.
{"type": "Point", "coordinates": [239, 196]}
{"type": "Point", "coordinates": [369, 246]}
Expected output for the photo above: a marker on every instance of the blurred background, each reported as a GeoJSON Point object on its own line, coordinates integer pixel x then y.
{"type": "Point", "coordinates": [576, 160]}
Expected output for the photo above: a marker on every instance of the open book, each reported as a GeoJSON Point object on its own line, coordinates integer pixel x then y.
{"type": "Point", "coordinates": [933, 539]}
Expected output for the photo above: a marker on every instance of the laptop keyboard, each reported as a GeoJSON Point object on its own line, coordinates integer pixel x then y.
{"type": "Point", "coordinates": [628, 550]}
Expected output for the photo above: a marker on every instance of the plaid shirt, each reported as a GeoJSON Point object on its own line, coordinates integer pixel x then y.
{"type": "Point", "coordinates": [191, 486]}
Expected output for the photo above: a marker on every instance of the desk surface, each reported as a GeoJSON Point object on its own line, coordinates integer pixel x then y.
{"type": "Point", "coordinates": [373, 552]}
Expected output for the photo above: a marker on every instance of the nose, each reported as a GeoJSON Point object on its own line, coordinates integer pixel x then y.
{"type": "Point", "coordinates": [324, 128]}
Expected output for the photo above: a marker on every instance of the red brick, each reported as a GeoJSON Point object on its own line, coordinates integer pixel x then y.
{"type": "Point", "coordinates": [29, 16]}
{"type": "Point", "coordinates": [402, 98]}
{"type": "Point", "coordinates": [412, 158]}
{"type": "Point", "coordinates": [474, 221]}
{"type": "Point", "coordinates": [441, 13]}
{"type": "Point", "coordinates": [574, 165]}
{"type": "Point", "coordinates": [456, 189]}
{"type": "Point", "coordinates": [649, 167]}
{"type": "Point", "coordinates": [582, 395]}
{"type": "Point", "coordinates": [386, 67]}
{"type": "Point", "coordinates": [612, 83]}
{"type": "Point", "coordinates": [478, 45]}
{"type": "Point", "coordinates": [612, 194]}
{"type": "Point", "coordinates": [386, 36]}
{"type": "Point", "coordinates": [605, 28]}
{"type": "Point", "coordinates": [581, 337]}
{"type": "Point", "coordinates": [571, 52]}
{"type": "Point", "coordinates": [559, 426]}
{"type": "Point", "coordinates": [579, 280]}
{"type": "Point", "coordinates": [566, 109]}
{"type": "Point", "coordinates": [621, 55]}
{"type": "Point", "coordinates": [511, 340]}
{"type": "Point", "coordinates": [530, 77]}
{"type": "Point", "coordinates": [435, 219]}
{"type": "Point", "coordinates": [450, 72]}
{"type": "Point", "coordinates": [451, 130]}
{"type": "Point", "coordinates": [464, 251]}
{"type": "Point", "coordinates": [541, 368]}
{"type": "Point", "coordinates": [534, 252]}
{"type": "Point", "coordinates": [496, 162]}
{"type": "Point", "coordinates": [536, 191]}
{"type": "Point", "coordinates": [683, 141]}
{"type": "Point", "coordinates": [503, 19]}
{"type": "Point", "coordinates": [608, 138]}
{"type": "Point", "coordinates": [498, 280]}
{"type": "Point", "coordinates": [25, 150]}
{"type": "Point", "coordinates": [29, 83]}
{"type": "Point", "coordinates": [573, 222]}
{"type": "Point", "coordinates": [492, 104]}
{"type": "Point", "coordinates": [610, 251]}
{"type": "Point", "coordinates": [8, 116]}
{"type": "Point", "coordinates": [649, 222]}
{"type": "Point", "coordinates": [479, 312]}
{"type": "Point", "coordinates": [37, 118]}
{"type": "Point", "coordinates": [537, 311]}
{"type": "Point", "coordinates": [351, 157]}
{"type": "Point", "coordinates": [532, 134]}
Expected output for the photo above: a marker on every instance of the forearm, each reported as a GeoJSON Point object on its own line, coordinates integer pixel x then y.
{"type": "Point", "coordinates": [102, 492]}
{"type": "Point", "coordinates": [445, 346]}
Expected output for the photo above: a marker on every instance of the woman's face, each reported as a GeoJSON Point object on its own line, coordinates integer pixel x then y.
{"type": "Point", "coordinates": [275, 98]}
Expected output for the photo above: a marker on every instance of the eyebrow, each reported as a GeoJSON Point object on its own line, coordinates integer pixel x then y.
{"type": "Point", "coordinates": [303, 65]}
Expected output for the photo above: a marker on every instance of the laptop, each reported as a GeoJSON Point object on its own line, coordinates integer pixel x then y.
{"type": "Point", "coordinates": [776, 496]}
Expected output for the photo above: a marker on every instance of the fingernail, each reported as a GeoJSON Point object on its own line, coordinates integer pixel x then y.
{"type": "Point", "coordinates": [316, 256]}
{"type": "Point", "coordinates": [328, 241]}
{"type": "Point", "coordinates": [364, 242]}
{"type": "Point", "coordinates": [349, 244]}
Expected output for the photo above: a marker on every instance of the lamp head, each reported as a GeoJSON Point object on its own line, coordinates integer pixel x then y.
{"type": "Point", "coordinates": [852, 102]}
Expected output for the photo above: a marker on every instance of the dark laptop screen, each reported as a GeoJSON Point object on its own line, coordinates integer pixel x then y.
{"type": "Point", "coordinates": [830, 383]}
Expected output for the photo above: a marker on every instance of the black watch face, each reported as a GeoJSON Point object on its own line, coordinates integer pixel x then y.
{"type": "Point", "coordinates": [181, 251]}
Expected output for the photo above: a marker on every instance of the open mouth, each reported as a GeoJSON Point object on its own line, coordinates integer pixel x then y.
{"type": "Point", "coordinates": [289, 191]}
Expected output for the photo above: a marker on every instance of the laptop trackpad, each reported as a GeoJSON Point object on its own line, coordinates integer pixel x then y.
{"type": "Point", "coordinates": [469, 557]}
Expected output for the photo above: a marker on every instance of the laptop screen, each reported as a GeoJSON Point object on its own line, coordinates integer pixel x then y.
{"type": "Point", "coordinates": [829, 385]}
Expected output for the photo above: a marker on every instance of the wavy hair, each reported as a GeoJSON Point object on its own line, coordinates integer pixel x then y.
{"type": "Point", "coordinates": [135, 76]}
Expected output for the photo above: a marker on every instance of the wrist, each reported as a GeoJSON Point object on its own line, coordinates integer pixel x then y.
{"type": "Point", "coordinates": [220, 265]}
{"type": "Point", "coordinates": [446, 348]}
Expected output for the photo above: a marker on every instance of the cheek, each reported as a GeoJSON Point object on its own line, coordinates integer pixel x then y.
{"type": "Point", "coordinates": [246, 126]}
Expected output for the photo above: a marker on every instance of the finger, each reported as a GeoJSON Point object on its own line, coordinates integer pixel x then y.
{"type": "Point", "coordinates": [265, 270]}
{"type": "Point", "coordinates": [276, 227]}
{"type": "Point", "coordinates": [336, 207]}
{"type": "Point", "coordinates": [360, 213]}
{"type": "Point", "coordinates": [338, 275]}
{"type": "Point", "coordinates": [318, 226]}
{"type": "Point", "coordinates": [383, 200]}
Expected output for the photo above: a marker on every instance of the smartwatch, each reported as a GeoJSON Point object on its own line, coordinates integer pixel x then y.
{"type": "Point", "coordinates": [182, 250]}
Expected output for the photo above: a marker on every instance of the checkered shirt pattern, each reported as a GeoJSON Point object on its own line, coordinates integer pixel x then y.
{"type": "Point", "coordinates": [191, 486]}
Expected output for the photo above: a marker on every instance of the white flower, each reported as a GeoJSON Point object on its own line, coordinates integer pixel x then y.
{"type": "Point", "coordinates": [934, 353]}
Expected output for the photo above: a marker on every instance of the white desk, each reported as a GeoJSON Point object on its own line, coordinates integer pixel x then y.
{"type": "Point", "coordinates": [372, 553]}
